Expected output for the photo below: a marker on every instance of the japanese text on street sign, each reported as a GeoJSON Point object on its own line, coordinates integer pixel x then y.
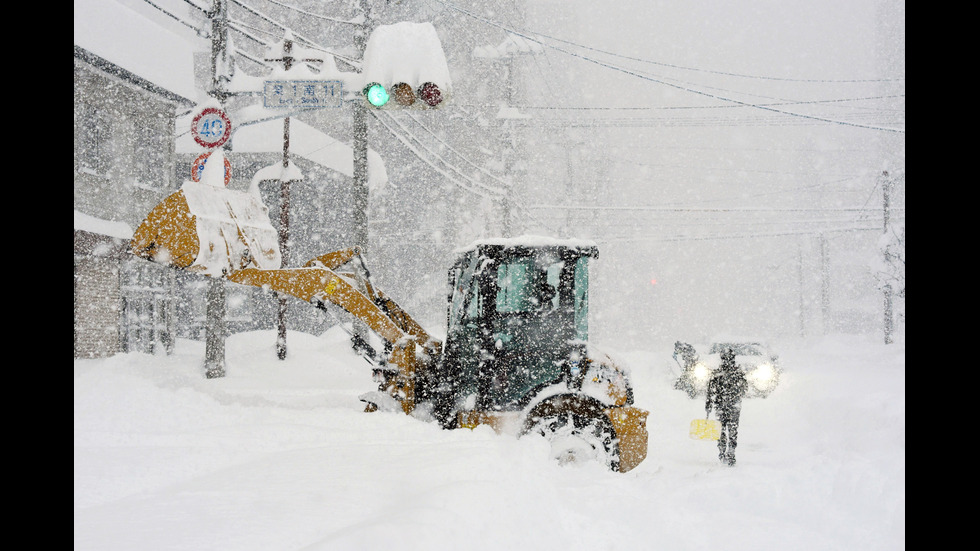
{"type": "Point", "coordinates": [303, 93]}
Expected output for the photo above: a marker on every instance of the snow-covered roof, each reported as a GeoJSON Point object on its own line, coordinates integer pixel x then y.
{"type": "Point", "coordinates": [529, 241]}
{"type": "Point", "coordinates": [119, 230]}
{"type": "Point", "coordinates": [134, 42]}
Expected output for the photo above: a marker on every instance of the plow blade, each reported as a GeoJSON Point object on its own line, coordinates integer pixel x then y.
{"type": "Point", "coordinates": [208, 229]}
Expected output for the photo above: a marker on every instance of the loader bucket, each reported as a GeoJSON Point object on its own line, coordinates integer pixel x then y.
{"type": "Point", "coordinates": [209, 229]}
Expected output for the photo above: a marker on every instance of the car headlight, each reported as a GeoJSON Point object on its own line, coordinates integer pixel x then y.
{"type": "Point", "coordinates": [701, 373]}
{"type": "Point", "coordinates": [763, 376]}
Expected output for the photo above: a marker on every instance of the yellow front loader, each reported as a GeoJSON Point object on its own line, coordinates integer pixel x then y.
{"type": "Point", "coordinates": [516, 358]}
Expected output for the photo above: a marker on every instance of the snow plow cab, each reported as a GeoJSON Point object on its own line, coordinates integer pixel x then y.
{"type": "Point", "coordinates": [517, 356]}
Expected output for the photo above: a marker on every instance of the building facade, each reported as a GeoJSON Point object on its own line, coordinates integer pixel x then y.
{"type": "Point", "coordinates": [123, 158]}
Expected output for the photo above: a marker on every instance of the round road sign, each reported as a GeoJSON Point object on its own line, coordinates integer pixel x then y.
{"type": "Point", "coordinates": [198, 169]}
{"type": "Point", "coordinates": [211, 128]}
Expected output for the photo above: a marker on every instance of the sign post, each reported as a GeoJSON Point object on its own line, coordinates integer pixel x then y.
{"type": "Point", "coordinates": [294, 94]}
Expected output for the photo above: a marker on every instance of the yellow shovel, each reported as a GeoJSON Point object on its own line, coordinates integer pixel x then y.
{"type": "Point", "coordinates": [705, 429]}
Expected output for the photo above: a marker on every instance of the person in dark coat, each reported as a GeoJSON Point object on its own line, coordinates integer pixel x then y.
{"type": "Point", "coordinates": [725, 391]}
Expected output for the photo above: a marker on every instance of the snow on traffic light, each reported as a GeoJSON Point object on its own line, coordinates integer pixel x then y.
{"type": "Point", "coordinates": [405, 68]}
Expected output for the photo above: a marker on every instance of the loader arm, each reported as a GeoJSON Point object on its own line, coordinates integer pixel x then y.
{"type": "Point", "coordinates": [334, 260]}
{"type": "Point", "coordinates": [324, 285]}
{"type": "Point", "coordinates": [226, 234]}
{"type": "Point", "coordinates": [318, 285]}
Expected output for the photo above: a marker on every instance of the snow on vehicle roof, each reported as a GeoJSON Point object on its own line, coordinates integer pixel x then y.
{"type": "Point", "coordinates": [530, 241]}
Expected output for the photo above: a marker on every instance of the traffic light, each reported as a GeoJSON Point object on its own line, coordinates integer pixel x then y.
{"type": "Point", "coordinates": [405, 67]}
{"type": "Point", "coordinates": [402, 96]}
{"type": "Point", "coordinates": [376, 94]}
{"type": "Point", "coordinates": [430, 94]}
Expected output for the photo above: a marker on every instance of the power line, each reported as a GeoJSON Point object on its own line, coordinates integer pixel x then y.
{"type": "Point", "coordinates": [199, 32]}
{"type": "Point", "coordinates": [468, 186]}
{"type": "Point", "coordinates": [709, 210]}
{"type": "Point", "coordinates": [307, 42]}
{"type": "Point", "coordinates": [698, 107]}
{"type": "Point", "coordinates": [505, 184]}
{"type": "Point", "coordinates": [315, 15]}
{"type": "Point", "coordinates": [724, 73]}
{"type": "Point", "coordinates": [664, 82]}
{"type": "Point", "coordinates": [753, 236]}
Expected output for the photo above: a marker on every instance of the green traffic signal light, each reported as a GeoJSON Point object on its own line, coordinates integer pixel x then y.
{"type": "Point", "coordinates": [376, 94]}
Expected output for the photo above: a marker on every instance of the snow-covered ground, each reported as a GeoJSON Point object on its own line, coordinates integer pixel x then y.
{"type": "Point", "coordinates": [278, 456]}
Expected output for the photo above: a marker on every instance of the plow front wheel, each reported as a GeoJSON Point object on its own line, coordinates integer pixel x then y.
{"type": "Point", "coordinates": [576, 439]}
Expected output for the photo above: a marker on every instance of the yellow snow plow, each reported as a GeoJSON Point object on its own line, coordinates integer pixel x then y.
{"type": "Point", "coordinates": [516, 356]}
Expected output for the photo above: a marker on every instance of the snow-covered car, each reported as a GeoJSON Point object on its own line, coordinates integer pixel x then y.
{"type": "Point", "coordinates": [756, 359]}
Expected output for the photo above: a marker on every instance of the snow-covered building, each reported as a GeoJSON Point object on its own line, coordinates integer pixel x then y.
{"type": "Point", "coordinates": [137, 84]}
{"type": "Point", "coordinates": [126, 101]}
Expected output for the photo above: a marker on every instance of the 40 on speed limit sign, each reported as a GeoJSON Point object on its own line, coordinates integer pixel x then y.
{"type": "Point", "coordinates": [211, 127]}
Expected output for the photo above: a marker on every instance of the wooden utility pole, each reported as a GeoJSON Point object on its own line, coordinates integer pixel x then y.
{"type": "Point", "coordinates": [360, 139]}
{"type": "Point", "coordinates": [284, 198]}
{"type": "Point", "coordinates": [214, 324]}
{"type": "Point", "coordinates": [886, 184]}
{"type": "Point", "coordinates": [287, 59]}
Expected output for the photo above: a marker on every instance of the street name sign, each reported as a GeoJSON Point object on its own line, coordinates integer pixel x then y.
{"type": "Point", "coordinates": [303, 93]}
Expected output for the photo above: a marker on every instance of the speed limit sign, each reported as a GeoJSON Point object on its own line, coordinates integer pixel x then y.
{"type": "Point", "coordinates": [211, 128]}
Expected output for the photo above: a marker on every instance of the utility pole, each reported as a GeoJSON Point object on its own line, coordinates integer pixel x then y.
{"type": "Point", "coordinates": [824, 283]}
{"type": "Point", "coordinates": [886, 184]}
{"type": "Point", "coordinates": [219, 50]}
{"type": "Point", "coordinates": [285, 183]}
{"type": "Point", "coordinates": [359, 130]}
{"type": "Point", "coordinates": [214, 325]}
{"type": "Point", "coordinates": [799, 275]}
{"type": "Point", "coordinates": [360, 138]}
{"type": "Point", "coordinates": [284, 199]}
{"type": "Point", "coordinates": [284, 190]}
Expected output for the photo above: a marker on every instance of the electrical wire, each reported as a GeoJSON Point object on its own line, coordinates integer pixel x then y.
{"type": "Point", "coordinates": [684, 88]}
{"type": "Point", "coordinates": [503, 183]}
{"type": "Point", "coordinates": [315, 15]}
{"type": "Point", "coordinates": [199, 32]}
{"type": "Point", "coordinates": [469, 185]}
{"type": "Point", "coordinates": [300, 38]}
